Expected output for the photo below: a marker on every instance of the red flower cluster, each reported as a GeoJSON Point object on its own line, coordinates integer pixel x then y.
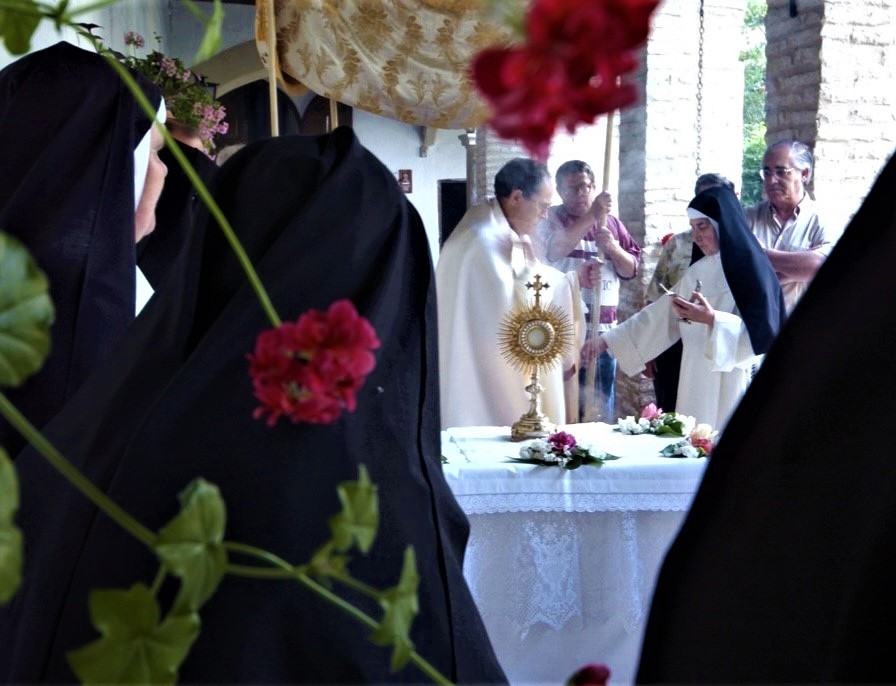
{"type": "Point", "coordinates": [311, 370]}
{"type": "Point", "coordinates": [567, 72]}
{"type": "Point", "coordinates": [590, 675]}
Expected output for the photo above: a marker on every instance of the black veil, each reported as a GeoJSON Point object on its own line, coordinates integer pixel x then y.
{"type": "Point", "coordinates": [68, 130]}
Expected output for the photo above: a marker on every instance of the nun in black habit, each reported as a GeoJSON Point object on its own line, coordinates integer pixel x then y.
{"type": "Point", "coordinates": [175, 213]}
{"type": "Point", "coordinates": [75, 153]}
{"type": "Point", "coordinates": [322, 220]}
{"type": "Point", "coordinates": [727, 313]}
{"type": "Point", "coordinates": [783, 570]}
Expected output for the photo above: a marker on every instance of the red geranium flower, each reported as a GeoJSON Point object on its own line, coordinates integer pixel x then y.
{"type": "Point", "coordinates": [590, 675]}
{"type": "Point", "coordinates": [568, 70]}
{"type": "Point", "coordinates": [310, 371]}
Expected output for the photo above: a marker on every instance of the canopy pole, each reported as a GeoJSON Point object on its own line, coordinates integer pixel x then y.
{"type": "Point", "coordinates": [595, 408]}
{"type": "Point", "coordinates": [334, 113]}
{"type": "Point", "coordinates": [271, 30]}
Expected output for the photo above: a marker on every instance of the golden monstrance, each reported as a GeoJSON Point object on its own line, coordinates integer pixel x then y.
{"type": "Point", "coordinates": [533, 338]}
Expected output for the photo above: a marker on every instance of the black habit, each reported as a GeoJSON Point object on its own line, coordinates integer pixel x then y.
{"type": "Point", "coordinates": [68, 130]}
{"type": "Point", "coordinates": [157, 252]}
{"type": "Point", "coordinates": [322, 219]}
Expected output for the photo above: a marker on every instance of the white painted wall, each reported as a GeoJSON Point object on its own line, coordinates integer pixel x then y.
{"type": "Point", "coordinates": [397, 146]}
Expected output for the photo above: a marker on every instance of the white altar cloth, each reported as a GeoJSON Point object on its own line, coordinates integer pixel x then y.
{"type": "Point", "coordinates": [562, 563]}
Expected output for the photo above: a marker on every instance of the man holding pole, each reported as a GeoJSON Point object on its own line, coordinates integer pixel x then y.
{"type": "Point", "coordinates": [579, 230]}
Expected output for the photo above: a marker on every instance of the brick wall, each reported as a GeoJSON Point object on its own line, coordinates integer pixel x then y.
{"type": "Point", "coordinates": [832, 84]}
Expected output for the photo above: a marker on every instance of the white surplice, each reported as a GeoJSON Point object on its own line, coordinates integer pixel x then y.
{"type": "Point", "coordinates": [716, 361]}
{"type": "Point", "coordinates": [481, 275]}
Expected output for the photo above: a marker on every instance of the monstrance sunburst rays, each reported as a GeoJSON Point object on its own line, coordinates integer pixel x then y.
{"type": "Point", "coordinates": [533, 338]}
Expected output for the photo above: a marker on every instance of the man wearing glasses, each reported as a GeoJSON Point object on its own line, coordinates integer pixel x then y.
{"type": "Point", "coordinates": [581, 231]}
{"type": "Point", "coordinates": [787, 222]}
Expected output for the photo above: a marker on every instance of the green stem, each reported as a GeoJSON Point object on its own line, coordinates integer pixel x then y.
{"type": "Point", "coordinates": [252, 551]}
{"type": "Point", "coordinates": [75, 477]}
{"type": "Point", "coordinates": [287, 570]}
{"type": "Point", "coordinates": [157, 582]}
{"type": "Point", "coordinates": [359, 586]}
{"type": "Point", "coordinates": [200, 187]}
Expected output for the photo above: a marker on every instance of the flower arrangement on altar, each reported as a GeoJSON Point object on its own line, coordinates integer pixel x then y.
{"type": "Point", "coordinates": [698, 443]}
{"type": "Point", "coordinates": [653, 420]}
{"type": "Point", "coordinates": [188, 95]}
{"type": "Point", "coordinates": [560, 449]}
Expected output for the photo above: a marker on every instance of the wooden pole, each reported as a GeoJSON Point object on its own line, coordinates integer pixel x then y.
{"type": "Point", "coordinates": [594, 410]}
{"type": "Point", "coordinates": [608, 152]}
{"type": "Point", "coordinates": [334, 113]}
{"type": "Point", "coordinates": [271, 30]}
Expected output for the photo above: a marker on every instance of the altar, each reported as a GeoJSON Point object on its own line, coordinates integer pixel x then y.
{"type": "Point", "coordinates": [562, 563]}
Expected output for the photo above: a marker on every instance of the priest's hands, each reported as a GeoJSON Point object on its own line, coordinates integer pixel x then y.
{"type": "Point", "coordinates": [697, 309]}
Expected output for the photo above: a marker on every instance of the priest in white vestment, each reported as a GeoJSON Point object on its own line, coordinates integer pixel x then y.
{"type": "Point", "coordinates": [727, 309]}
{"type": "Point", "coordinates": [481, 275]}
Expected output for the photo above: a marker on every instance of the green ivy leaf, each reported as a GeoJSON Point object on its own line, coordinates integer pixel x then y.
{"type": "Point", "coordinates": [401, 606]}
{"type": "Point", "coordinates": [211, 39]}
{"type": "Point", "coordinates": [18, 25]}
{"type": "Point", "coordinates": [135, 647]}
{"type": "Point", "coordinates": [10, 536]}
{"type": "Point", "coordinates": [190, 545]}
{"type": "Point", "coordinates": [26, 312]}
{"type": "Point", "coordinates": [326, 562]}
{"type": "Point", "coordinates": [360, 516]}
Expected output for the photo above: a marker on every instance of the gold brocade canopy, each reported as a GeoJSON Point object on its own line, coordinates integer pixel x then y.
{"type": "Point", "coordinates": [403, 59]}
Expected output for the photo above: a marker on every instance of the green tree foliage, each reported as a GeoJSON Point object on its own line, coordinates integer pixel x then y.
{"type": "Point", "coordinates": [753, 58]}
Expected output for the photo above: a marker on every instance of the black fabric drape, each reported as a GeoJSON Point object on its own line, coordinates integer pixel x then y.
{"type": "Point", "coordinates": [783, 569]}
{"type": "Point", "coordinates": [322, 219]}
{"type": "Point", "coordinates": [68, 130]}
{"type": "Point", "coordinates": [174, 214]}
{"type": "Point", "coordinates": [749, 274]}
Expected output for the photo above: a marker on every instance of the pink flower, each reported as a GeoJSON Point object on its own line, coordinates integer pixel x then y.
{"type": "Point", "coordinates": [311, 371]}
{"type": "Point", "coordinates": [703, 444]}
{"type": "Point", "coordinates": [651, 411]}
{"type": "Point", "coordinates": [562, 442]}
{"type": "Point", "coordinates": [134, 38]}
{"type": "Point", "coordinates": [590, 675]}
{"type": "Point", "coordinates": [568, 70]}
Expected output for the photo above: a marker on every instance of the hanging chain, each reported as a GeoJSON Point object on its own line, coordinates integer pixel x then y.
{"type": "Point", "coordinates": [699, 121]}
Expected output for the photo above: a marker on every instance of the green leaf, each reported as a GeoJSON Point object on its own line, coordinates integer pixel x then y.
{"type": "Point", "coordinates": [325, 563]}
{"type": "Point", "coordinates": [190, 545]}
{"type": "Point", "coordinates": [18, 25]}
{"type": "Point", "coordinates": [211, 39]}
{"type": "Point", "coordinates": [26, 313]}
{"type": "Point", "coordinates": [401, 606]}
{"type": "Point", "coordinates": [10, 536]}
{"type": "Point", "coordinates": [360, 516]}
{"type": "Point", "coordinates": [134, 647]}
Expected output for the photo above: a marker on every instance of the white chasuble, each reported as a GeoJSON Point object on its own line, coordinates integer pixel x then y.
{"type": "Point", "coordinates": [716, 361]}
{"type": "Point", "coordinates": [481, 275]}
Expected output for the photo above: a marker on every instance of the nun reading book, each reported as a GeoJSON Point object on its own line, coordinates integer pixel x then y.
{"type": "Point", "coordinates": [726, 310]}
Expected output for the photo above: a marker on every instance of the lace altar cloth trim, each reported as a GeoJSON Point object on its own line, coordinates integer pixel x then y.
{"type": "Point", "coordinates": [493, 503]}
